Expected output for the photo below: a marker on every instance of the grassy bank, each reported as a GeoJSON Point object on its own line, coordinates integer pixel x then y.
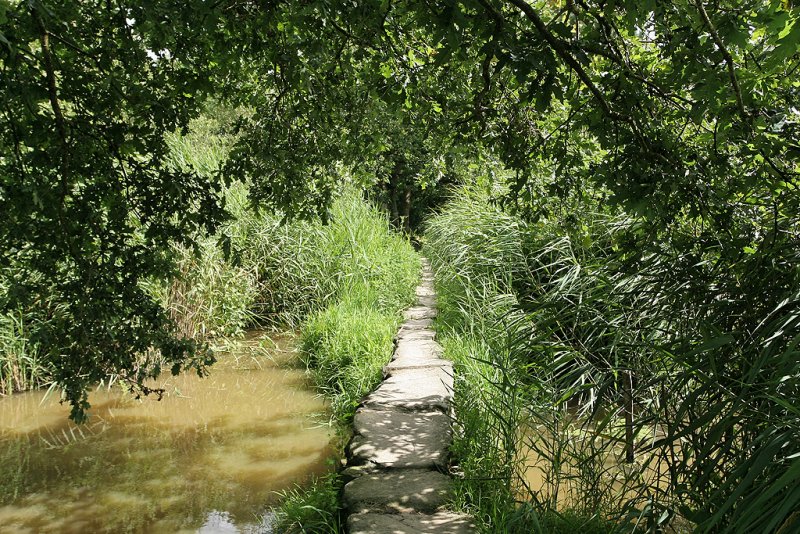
{"type": "Point", "coordinates": [373, 272]}
{"type": "Point", "coordinates": [606, 374]}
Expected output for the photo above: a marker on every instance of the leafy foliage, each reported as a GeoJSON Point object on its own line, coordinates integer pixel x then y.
{"type": "Point", "coordinates": [674, 123]}
{"type": "Point", "coordinates": [90, 203]}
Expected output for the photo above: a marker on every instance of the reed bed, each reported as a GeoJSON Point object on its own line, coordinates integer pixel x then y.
{"type": "Point", "coordinates": [655, 386]}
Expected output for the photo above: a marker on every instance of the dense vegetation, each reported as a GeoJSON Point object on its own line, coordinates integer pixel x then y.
{"type": "Point", "coordinates": [617, 380]}
{"type": "Point", "coordinates": [631, 251]}
{"type": "Point", "coordinates": [341, 284]}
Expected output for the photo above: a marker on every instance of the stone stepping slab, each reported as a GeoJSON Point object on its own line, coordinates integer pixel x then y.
{"type": "Point", "coordinates": [438, 523]}
{"type": "Point", "coordinates": [427, 301]}
{"type": "Point", "coordinates": [417, 348]}
{"type": "Point", "coordinates": [419, 312]}
{"type": "Point", "coordinates": [425, 291]}
{"type": "Point", "coordinates": [413, 335]}
{"type": "Point", "coordinates": [397, 491]}
{"type": "Point", "coordinates": [416, 324]}
{"type": "Point", "coordinates": [397, 367]}
{"type": "Point", "coordinates": [394, 439]}
{"type": "Point", "coordinates": [415, 389]}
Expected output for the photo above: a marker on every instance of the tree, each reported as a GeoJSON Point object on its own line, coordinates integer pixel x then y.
{"type": "Point", "coordinates": [661, 104]}
{"type": "Point", "coordinates": [90, 206]}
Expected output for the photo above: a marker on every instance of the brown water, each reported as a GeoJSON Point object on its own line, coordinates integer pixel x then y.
{"type": "Point", "coordinates": [583, 468]}
{"type": "Point", "coordinates": [207, 457]}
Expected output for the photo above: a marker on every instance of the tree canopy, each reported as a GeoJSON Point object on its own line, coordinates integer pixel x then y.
{"type": "Point", "coordinates": [671, 111]}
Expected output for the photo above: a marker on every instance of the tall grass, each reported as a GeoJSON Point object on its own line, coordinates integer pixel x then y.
{"type": "Point", "coordinates": [653, 384]}
{"type": "Point", "coordinates": [346, 347]}
{"type": "Point", "coordinates": [475, 251]}
{"type": "Point", "coordinates": [371, 274]}
{"type": "Point", "coordinates": [20, 365]}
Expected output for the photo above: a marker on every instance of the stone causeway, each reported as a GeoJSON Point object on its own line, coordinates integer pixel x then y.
{"type": "Point", "coordinates": [397, 462]}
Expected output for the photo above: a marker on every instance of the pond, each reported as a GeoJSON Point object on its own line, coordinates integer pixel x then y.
{"type": "Point", "coordinates": [209, 457]}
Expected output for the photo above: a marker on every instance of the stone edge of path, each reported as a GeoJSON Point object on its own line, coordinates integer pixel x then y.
{"type": "Point", "coordinates": [396, 474]}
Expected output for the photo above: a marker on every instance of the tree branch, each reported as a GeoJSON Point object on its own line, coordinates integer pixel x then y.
{"type": "Point", "coordinates": [52, 89]}
{"type": "Point", "coordinates": [561, 50]}
{"type": "Point", "coordinates": [486, 74]}
{"type": "Point", "coordinates": [728, 59]}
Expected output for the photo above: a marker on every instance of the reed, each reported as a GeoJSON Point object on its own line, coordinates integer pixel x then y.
{"type": "Point", "coordinates": [20, 365]}
{"type": "Point", "coordinates": [310, 509]}
{"type": "Point", "coordinates": [652, 386]}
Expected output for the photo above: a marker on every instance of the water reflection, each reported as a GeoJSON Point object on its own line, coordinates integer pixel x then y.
{"type": "Point", "coordinates": [209, 456]}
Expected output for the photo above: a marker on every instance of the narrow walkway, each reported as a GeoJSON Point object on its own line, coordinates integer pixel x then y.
{"type": "Point", "coordinates": [398, 458]}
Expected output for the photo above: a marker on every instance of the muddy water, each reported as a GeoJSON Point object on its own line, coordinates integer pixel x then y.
{"type": "Point", "coordinates": [207, 457]}
{"type": "Point", "coordinates": [584, 469]}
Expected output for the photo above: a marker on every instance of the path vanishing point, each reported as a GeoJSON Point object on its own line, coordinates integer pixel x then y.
{"type": "Point", "coordinates": [397, 469]}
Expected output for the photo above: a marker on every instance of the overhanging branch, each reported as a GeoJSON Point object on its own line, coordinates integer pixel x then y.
{"type": "Point", "coordinates": [562, 50]}
{"type": "Point", "coordinates": [728, 59]}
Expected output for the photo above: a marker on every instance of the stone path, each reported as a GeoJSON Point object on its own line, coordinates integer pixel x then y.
{"type": "Point", "coordinates": [398, 457]}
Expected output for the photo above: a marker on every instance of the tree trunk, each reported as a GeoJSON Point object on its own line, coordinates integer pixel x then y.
{"type": "Point", "coordinates": [407, 210]}
{"type": "Point", "coordinates": [391, 189]}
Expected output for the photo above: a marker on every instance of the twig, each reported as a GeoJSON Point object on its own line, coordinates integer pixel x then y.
{"type": "Point", "coordinates": [52, 88]}
{"type": "Point", "coordinates": [728, 59]}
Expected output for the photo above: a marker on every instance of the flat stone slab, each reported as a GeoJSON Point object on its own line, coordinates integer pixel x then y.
{"type": "Point", "coordinates": [426, 300]}
{"type": "Point", "coordinates": [425, 291]}
{"type": "Point", "coordinates": [420, 312]}
{"type": "Point", "coordinates": [417, 389]}
{"type": "Point", "coordinates": [394, 439]}
{"type": "Point", "coordinates": [409, 335]}
{"type": "Point", "coordinates": [422, 363]}
{"type": "Point", "coordinates": [416, 348]}
{"type": "Point", "coordinates": [416, 324]}
{"type": "Point", "coordinates": [439, 523]}
{"type": "Point", "coordinates": [397, 491]}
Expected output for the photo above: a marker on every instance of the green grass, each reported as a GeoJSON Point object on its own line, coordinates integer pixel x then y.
{"type": "Point", "coordinates": [313, 509]}
{"type": "Point", "coordinates": [481, 259]}
{"type": "Point", "coordinates": [346, 347]}
{"type": "Point", "coordinates": [20, 366]}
